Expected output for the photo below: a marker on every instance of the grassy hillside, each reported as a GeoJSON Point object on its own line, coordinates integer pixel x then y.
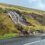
{"type": "Point", "coordinates": [36, 19]}
{"type": "Point", "coordinates": [7, 27]}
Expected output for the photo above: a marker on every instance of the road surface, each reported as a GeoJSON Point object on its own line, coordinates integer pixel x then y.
{"type": "Point", "coordinates": [23, 41]}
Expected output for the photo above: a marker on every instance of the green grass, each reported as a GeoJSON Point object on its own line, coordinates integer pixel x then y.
{"type": "Point", "coordinates": [10, 35]}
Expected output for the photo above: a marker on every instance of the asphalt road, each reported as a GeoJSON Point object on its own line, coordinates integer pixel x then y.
{"type": "Point", "coordinates": [22, 41]}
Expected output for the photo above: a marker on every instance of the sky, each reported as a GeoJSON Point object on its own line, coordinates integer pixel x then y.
{"type": "Point", "coordinates": [36, 4]}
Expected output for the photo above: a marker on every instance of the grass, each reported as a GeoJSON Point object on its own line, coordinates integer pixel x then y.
{"type": "Point", "coordinates": [7, 27]}
{"type": "Point", "coordinates": [10, 35]}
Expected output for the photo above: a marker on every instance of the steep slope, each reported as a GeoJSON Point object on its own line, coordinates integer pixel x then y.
{"type": "Point", "coordinates": [6, 25]}
{"type": "Point", "coordinates": [17, 19]}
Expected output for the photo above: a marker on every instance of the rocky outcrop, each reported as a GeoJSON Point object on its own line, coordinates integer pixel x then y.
{"type": "Point", "coordinates": [18, 20]}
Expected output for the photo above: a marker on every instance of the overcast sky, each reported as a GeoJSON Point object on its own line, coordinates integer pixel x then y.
{"type": "Point", "coordinates": [37, 4]}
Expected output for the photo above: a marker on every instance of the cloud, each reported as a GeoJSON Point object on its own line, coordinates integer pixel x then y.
{"type": "Point", "coordinates": [38, 4]}
{"type": "Point", "coordinates": [30, 1]}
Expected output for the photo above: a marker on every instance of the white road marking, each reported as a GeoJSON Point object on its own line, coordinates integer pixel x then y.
{"type": "Point", "coordinates": [34, 42]}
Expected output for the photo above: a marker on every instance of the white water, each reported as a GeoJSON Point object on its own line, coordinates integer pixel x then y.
{"type": "Point", "coordinates": [16, 18]}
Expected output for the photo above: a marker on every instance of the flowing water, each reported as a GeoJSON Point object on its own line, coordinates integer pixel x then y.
{"type": "Point", "coordinates": [16, 18]}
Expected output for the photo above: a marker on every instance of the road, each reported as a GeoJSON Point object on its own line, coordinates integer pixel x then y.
{"type": "Point", "coordinates": [22, 41]}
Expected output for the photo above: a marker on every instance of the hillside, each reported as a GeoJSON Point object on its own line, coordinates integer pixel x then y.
{"type": "Point", "coordinates": [16, 19]}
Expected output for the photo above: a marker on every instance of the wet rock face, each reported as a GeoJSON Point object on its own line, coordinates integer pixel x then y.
{"type": "Point", "coordinates": [17, 18]}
